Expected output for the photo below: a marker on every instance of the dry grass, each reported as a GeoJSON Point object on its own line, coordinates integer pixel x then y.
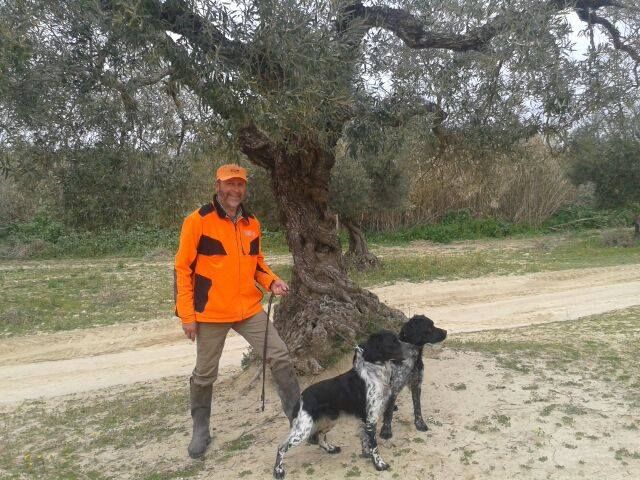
{"type": "Point", "coordinates": [526, 186]}
{"type": "Point", "coordinates": [619, 238]}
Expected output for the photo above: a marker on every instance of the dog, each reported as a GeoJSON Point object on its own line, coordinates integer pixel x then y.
{"type": "Point", "coordinates": [414, 334]}
{"type": "Point", "coordinates": [362, 392]}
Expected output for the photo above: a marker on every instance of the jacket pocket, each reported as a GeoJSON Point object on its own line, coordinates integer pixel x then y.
{"type": "Point", "coordinates": [201, 292]}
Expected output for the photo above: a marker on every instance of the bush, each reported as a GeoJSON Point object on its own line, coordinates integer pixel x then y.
{"type": "Point", "coordinates": [45, 238]}
{"type": "Point", "coordinates": [619, 238]}
{"type": "Point", "coordinates": [583, 217]}
{"type": "Point", "coordinates": [457, 225]}
{"type": "Point", "coordinates": [105, 187]}
{"type": "Point", "coordinates": [612, 165]}
{"type": "Point", "coordinates": [41, 227]}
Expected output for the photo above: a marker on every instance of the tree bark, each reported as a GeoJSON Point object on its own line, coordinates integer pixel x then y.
{"type": "Point", "coordinates": [325, 311]}
{"type": "Point", "coordinates": [358, 256]}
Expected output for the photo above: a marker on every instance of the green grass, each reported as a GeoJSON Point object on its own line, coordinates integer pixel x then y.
{"type": "Point", "coordinates": [63, 295]}
{"type": "Point", "coordinates": [577, 250]}
{"type": "Point", "coordinates": [58, 295]}
{"type": "Point", "coordinates": [61, 441]}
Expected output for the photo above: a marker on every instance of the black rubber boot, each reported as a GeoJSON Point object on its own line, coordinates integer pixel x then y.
{"type": "Point", "coordinates": [288, 389]}
{"type": "Point", "coordinates": [201, 413]}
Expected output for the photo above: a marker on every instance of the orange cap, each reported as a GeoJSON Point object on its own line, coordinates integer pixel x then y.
{"type": "Point", "coordinates": [231, 170]}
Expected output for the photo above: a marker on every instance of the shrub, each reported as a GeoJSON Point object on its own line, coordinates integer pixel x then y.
{"type": "Point", "coordinates": [612, 165]}
{"type": "Point", "coordinates": [619, 238]}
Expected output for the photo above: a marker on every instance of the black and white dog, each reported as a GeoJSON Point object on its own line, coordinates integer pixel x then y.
{"type": "Point", "coordinates": [363, 392]}
{"type": "Point", "coordinates": [414, 334]}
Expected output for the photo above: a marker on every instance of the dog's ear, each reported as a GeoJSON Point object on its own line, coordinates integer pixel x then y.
{"type": "Point", "coordinates": [406, 332]}
{"type": "Point", "coordinates": [382, 346]}
{"type": "Point", "coordinates": [410, 331]}
{"type": "Point", "coordinates": [417, 330]}
{"type": "Point", "coordinates": [372, 348]}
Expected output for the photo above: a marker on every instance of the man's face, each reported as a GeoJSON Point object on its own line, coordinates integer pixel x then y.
{"type": "Point", "coordinates": [231, 193]}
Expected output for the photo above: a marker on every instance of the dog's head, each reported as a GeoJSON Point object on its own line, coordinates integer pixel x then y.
{"type": "Point", "coordinates": [420, 330]}
{"type": "Point", "coordinates": [381, 347]}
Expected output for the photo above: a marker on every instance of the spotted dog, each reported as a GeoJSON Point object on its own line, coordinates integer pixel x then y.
{"type": "Point", "coordinates": [417, 332]}
{"type": "Point", "coordinates": [363, 392]}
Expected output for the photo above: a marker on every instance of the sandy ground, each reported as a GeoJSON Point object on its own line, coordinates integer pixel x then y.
{"type": "Point", "coordinates": [50, 365]}
{"type": "Point", "coordinates": [485, 423]}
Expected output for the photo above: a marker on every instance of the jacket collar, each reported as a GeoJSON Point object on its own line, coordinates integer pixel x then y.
{"type": "Point", "coordinates": [223, 214]}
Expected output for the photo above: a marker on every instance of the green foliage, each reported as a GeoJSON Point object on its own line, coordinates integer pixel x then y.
{"type": "Point", "coordinates": [612, 164]}
{"type": "Point", "coordinates": [44, 237]}
{"type": "Point", "coordinates": [106, 187]}
{"type": "Point", "coordinates": [580, 217]}
{"type": "Point", "coordinates": [368, 175]}
{"type": "Point", "coordinates": [350, 188]}
{"type": "Point", "coordinates": [260, 200]}
{"type": "Point", "coordinates": [41, 227]}
{"type": "Point", "coordinates": [460, 225]}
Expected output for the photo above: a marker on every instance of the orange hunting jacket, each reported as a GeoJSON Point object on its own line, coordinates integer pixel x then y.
{"type": "Point", "coordinates": [217, 266]}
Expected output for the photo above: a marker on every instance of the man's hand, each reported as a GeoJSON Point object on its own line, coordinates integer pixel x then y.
{"type": "Point", "coordinates": [190, 330]}
{"type": "Point", "coordinates": [279, 287]}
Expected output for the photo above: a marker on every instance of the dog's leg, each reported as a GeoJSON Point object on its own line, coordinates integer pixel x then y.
{"type": "Point", "coordinates": [416, 392]}
{"type": "Point", "coordinates": [370, 430]}
{"type": "Point", "coordinates": [327, 447]}
{"type": "Point", "coordinates": [385, 431]}
{"type": "Point", "coordinates": [364, 438]}
{"type": "Point", "coordinates": [302, 428]}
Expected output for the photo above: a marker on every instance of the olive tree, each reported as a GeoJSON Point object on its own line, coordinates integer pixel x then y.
{"type": "Point", "coordinates": [283, 79]}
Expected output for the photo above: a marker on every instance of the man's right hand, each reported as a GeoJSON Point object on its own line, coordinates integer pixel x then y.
{"type": "Point", "coordinates": [190, 330]}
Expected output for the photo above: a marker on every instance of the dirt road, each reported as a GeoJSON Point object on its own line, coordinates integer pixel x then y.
{"type": "Point", "coordinates": [56, 364]}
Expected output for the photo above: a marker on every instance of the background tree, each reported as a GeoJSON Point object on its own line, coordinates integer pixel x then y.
{"type": "Point", "coordinates": [606, 153]}
{"type": "Point", "coordinates": [282, 80]}
{"type": "Point", "coordinates": [367, 177]}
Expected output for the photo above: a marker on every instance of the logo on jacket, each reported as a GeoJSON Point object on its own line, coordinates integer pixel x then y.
{"type": "Point", "coordinates": [249, 233]}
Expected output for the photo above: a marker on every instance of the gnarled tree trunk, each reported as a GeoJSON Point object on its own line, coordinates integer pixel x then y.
{"type": "Point", "coordinates": [325, 310]}
{"type": "Point", "coordinates": [358, 256]}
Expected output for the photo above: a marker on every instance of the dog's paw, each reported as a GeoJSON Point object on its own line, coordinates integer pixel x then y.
{"type": "Point", "coordinates": [278, 473]}
{"type": "Point", "coordinates": [313, 439]}
{"type": "Point", "coordinates": [380, 466]}
{"type": "Point", "coordinates": [421, 426]}
{"type": "Point", "coordinates": [333, 449]}
{"type": "Point", "coordinates": [386, 433]}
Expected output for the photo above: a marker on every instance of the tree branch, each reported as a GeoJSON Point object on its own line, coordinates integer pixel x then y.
{"type": "Point", "coordinates": [257, 146]}
{"type": "Point", "coordinates": [357, 20]}
{"type": "Point", "coordinates": [172, 90]}
{"type": "Point", "coordinates": [177, 16]}
{"type": "Point", "coordinates": [588, 14]}
{"type": "Point", "coordinates": [411, 30]}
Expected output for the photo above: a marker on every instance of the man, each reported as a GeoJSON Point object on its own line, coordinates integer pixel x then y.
{"type": "Point", "coordinates": [218, 263]}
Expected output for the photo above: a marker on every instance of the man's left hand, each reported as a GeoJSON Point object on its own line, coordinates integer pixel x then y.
{"type": "Point", "coordinates": [279, 287]}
